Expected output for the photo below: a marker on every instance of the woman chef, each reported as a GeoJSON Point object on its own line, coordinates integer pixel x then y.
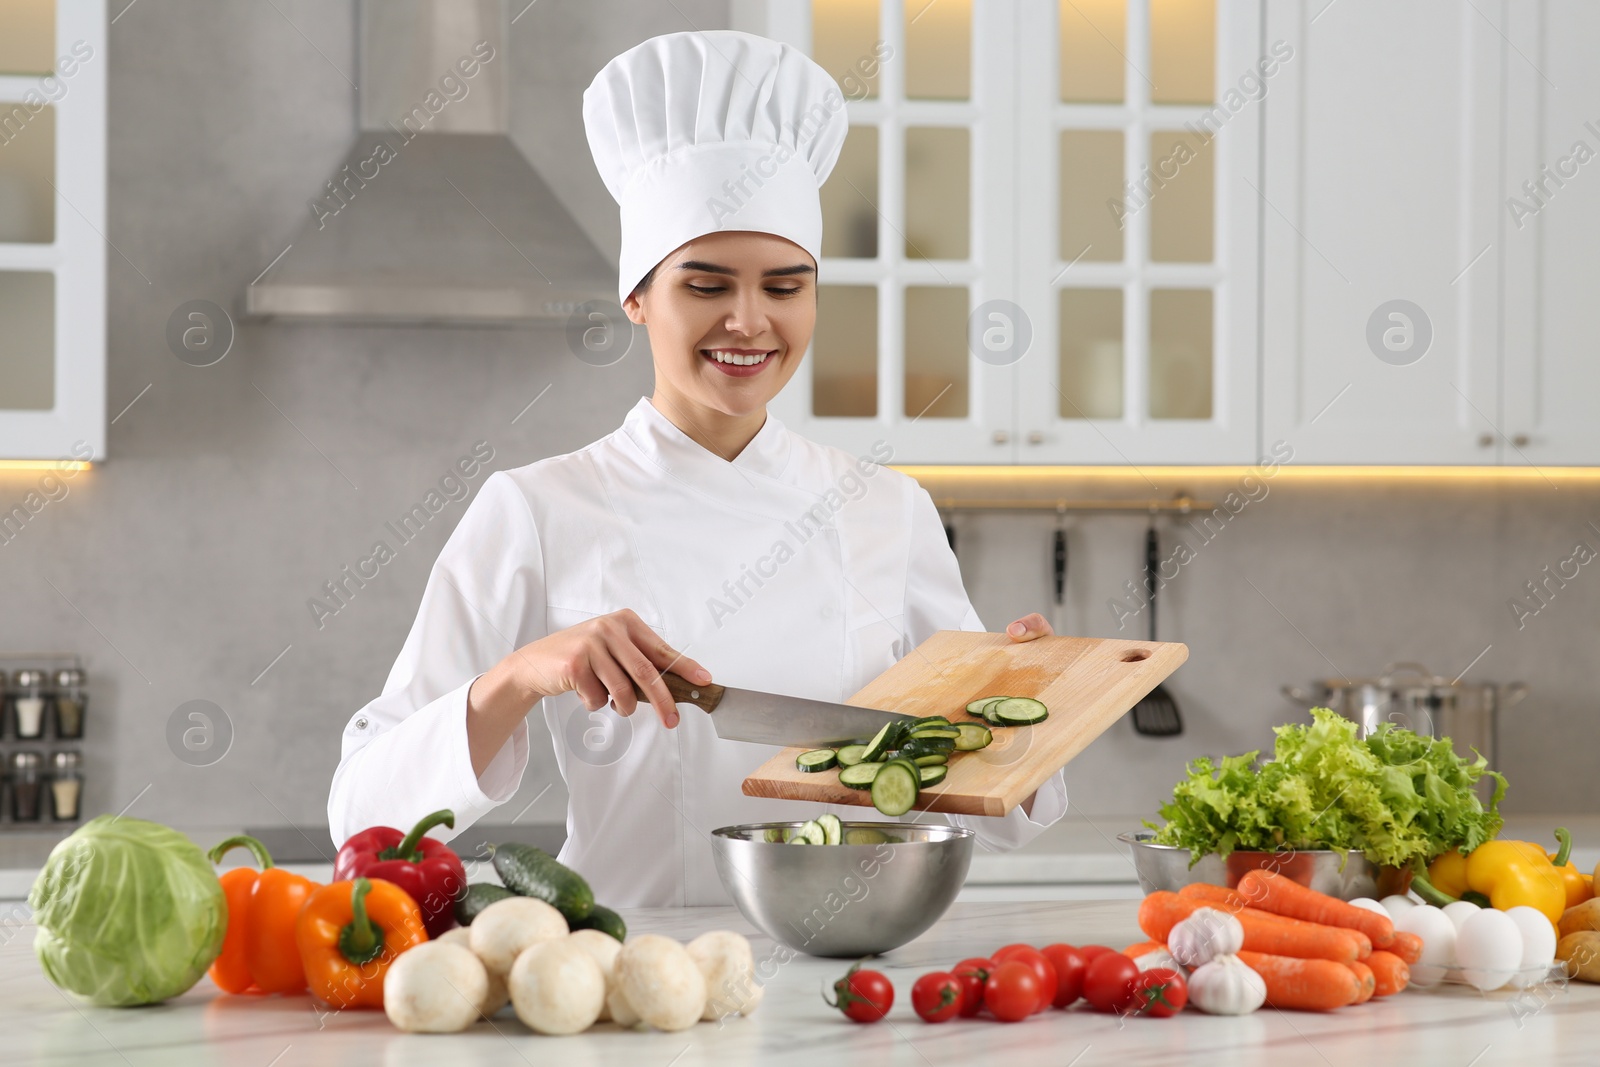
{"type": "Point", "coordinates": [700, 534]}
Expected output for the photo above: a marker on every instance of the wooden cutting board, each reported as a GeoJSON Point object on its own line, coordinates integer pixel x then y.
{"type": "Point", "coordinates": [1087, 683]}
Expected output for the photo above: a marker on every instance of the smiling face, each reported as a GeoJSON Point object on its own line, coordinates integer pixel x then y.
{"type": "Point", "coordinates": [730, 315]}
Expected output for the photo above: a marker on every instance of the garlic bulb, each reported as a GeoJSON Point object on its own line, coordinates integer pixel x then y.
{"type": "Point", "coordinates": [1227, 986]}
{"type": "Point", "coordinates": [1205, 935]}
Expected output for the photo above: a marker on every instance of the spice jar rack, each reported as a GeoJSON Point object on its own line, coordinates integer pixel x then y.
{"type": "Point", "coordinates": [42, 712]}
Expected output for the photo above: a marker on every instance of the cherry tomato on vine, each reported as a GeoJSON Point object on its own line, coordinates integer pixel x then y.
{"type": "Point", "coordinates": [864, 996]}
{"type": "Point", "coordinates": [1159, 992]}
{"type": "Point", "coordinates": [1069, 964]}
{"type": "Point", "coordinates": [1107, 981]}
{"type": "Point", "coordinates": [972, 973]}
{"type": "Point", "coordinates": [1012, 992]}
{"type": "Point", "coordinates": [937, 996]}
{"type": "Point", "coordinates": [1042, 967]}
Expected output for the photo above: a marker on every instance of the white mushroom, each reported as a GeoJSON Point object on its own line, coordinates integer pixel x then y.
{"type": "Point", "coordinates": [557, 987]}
{"type": "Point", "coordinates": [617, 1005]}
{"type": "Point", "coordinates": [729, 968]}
{"type": "Point", "coordinates": [435, 987]}
{"type": "Point", "coordinates": [498, 995]}
{"type": "Point", "coordinates": [661, 982]}
{"type": "Point", "coordinates": [604, 949]}
{"type": "Point", "coordinates": [503, 929]}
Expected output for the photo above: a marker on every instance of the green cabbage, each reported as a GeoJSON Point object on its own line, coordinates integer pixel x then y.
{"type": "Point", "coordinates": [129, 912]}
{"type": "Point", "coordinates": [1395, 796]}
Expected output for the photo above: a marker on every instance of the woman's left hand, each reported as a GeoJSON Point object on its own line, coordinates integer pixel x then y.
{"type": "Point", "coordinates": [1029, 627]}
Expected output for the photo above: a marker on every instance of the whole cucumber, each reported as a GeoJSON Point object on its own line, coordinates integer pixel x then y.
{"type": "Point", "coordinates": [606, 921]}
{"type": "Point", "coordinates": [479, 895]}
{"type": "Point", "coordinates": [533, 872]}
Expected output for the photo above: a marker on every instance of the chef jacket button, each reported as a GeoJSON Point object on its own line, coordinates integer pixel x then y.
{"type": "Point", "coordinates": [361, 723]}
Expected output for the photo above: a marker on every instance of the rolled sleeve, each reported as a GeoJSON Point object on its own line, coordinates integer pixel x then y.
{"type": "Point", "coordinates": [406, 753]}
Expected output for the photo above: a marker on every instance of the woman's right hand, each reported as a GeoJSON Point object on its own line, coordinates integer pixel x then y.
{"type": "Point", "coordinates": [599, 658]}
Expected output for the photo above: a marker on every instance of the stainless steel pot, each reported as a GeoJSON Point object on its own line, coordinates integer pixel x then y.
{"type": "Point", "coordinates": [1410, 695]}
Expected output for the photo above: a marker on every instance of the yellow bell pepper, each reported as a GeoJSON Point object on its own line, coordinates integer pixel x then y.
{"type": "Point", "coordinates": [1448, 873]}
{"type": "Point", "coordinates": [1577, 884]}
{"type": "Point", "coordinates": [1504, 874]}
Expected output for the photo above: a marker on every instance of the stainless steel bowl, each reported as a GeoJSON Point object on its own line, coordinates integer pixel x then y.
{"type": "Point", "coordinates": [843, 900]}
{"type": "Point", "coordinates": [1346, 877]}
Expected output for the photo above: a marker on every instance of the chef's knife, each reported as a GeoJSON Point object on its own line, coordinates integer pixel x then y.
{"type": "Point", "coordinates": [775, 719]}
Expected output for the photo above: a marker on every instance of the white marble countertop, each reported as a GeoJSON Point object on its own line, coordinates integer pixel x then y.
{"type": "Point", "coordinates": [1458, 1027]}
{"type": "Point", "coordinates": [1078, 858]}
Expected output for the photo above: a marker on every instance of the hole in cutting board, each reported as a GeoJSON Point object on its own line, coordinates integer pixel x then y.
{"type": "Point", "coordinates": [1134, 655]}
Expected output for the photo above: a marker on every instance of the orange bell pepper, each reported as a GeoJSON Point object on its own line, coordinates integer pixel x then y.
{"type": "Point", "coordinates": [259, 953]}
{"type": "Point", "coordinates": [349, 933]}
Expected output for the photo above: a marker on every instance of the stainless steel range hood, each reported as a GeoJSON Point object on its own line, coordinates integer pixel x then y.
{"type": "Point", "coordinates": [434, 216]}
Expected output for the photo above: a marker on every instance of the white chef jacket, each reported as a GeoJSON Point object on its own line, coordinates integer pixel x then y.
{"type": "Point", "coordinates": [795, 568]}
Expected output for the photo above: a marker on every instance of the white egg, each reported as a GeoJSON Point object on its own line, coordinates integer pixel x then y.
{"type": "Point", "coordinates": [1538, 945]}
{"type": "Point", "coordinates": [1459, 910]}
{"type": "Point", "coordinates": [1371, 905]}
{"type": "Point", "coordinates": [1489, 949]}
{"type": "Point", "coordinates": [1397, 905]}
{"type": "Point", "coordinates": [1438, 935]}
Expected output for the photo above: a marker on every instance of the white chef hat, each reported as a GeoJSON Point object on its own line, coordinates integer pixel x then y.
{"type": "Point", "coordinates": [717, 130]}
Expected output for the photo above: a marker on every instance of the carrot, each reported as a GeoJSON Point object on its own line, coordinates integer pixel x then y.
{"type": "Point", "coordinates": [1369, 982]}
{"type": "Point", "coordinates": [1271, 934]}
{"type": "Point", "coordinates": [1217, 896]}
{"type": "Point", "coordinates": [1407, 946]}
{"type": "Point", "coordinates": [1133, 952]}
{"type": "Point", "coordinates": [1390, 971]}
{"type": "Point", "coordinates": [1304, 985]}
{"type": "Point", "coordinates": [1273, 892]}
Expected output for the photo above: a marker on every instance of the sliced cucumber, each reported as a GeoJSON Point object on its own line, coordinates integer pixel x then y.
{"type": "Point", "coordinates": [973, 737]}
{"type": "Point", "coordinates": [935, 760]}
{"type": "Point", "coordinates": [860, 776]}
{"type": "Point", "coordinates": [832, 831]}
{"type": "Point", "coordinates": [850, 755]}
{"type": "Point", "coordinates": [926, 746]}
{"type": "Point", "coordinates": [775, 835]}
{"type": "Point", "coordinates": [976, 707]}
{"type": "Point", "coordinates": [991, 712]}
{"type": "Point", "coordinates": [931, 776]}
{"type": "Point", "coordinates": [884, 740]}
{"type": "Point", "coordinates": [810, 832]}
{"type": "Point", "coordinates": [798, 841]}
{"type": "Point", "coordinates": [1021, 711]}
{"type": "Point", "coordinates": [951, 731]}
{"type": "Point", "coordinates": [928, 720]}
{"type": "Point", "coordinates": [867, 835]}
{"type": "Point", "coordinates": [894, 789]}
{"type": "Point", "coordinates": [818, 759]}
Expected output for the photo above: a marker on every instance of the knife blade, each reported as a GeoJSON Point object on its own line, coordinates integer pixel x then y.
{"type": "Point", "coordinates": [776, 719]}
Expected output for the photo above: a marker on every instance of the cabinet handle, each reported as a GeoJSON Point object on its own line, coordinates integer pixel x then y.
{"type": "Point", "coordinates": [1035, 437]}
{"type": "Point", "coordinates": [1486, 440]}
{"type": "Point", "coordinates": [1520, 440]}
{"type": "Point", "coordinates": [1001, 437]}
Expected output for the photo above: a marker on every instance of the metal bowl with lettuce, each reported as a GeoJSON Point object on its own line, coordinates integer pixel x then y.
{"type": "Point", "coordinates": [1344, 814]}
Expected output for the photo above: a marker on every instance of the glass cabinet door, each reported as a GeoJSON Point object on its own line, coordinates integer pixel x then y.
{"type": "Point", "coordinates": [917, 226]}
{"type": "Point", "coordinates": [52, 260]}
{"type": "Point", "coordinates": [1140, 274]}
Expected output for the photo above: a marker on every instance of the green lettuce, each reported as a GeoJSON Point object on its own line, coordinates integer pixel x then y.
{"type": "Point", "coordinates": [129, 912]}
{"type": "Point", "coordinates": [1395, 796]}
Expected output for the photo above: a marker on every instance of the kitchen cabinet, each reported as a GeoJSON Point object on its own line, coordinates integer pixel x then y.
{"type": "Point", "coordinates": [1380, 185]}
{"type": "Point", "coordinates": [1041, 238]}
{"type": "Point", "coordinates": [52, 225]}
{"type": "Point", "coordinates": [1435, 154]}
{"type": "Point", "coordinates": [1550, 231]}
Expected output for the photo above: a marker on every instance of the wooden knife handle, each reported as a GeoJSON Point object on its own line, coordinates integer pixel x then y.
{"type": "Point", "coordinates": [705, 697]}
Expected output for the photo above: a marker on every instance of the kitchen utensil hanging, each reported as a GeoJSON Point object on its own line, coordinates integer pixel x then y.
{"type": "Point", "coordinates": [1058, 558]}
{"type": "Point", "coordinates": [1157, 714]}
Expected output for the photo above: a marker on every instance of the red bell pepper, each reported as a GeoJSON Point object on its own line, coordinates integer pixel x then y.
{"type": "Point", "coordinates": [429, 872]}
